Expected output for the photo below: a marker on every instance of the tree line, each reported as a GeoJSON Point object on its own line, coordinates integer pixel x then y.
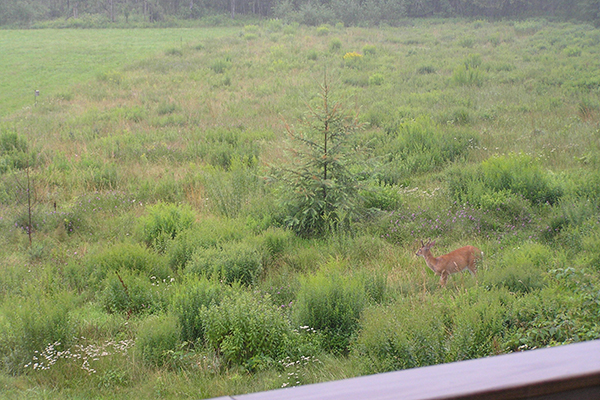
{"type": "Point", "coordinates": [311, 12]}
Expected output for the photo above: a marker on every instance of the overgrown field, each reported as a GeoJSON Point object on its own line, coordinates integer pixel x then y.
{"type": "Point", "coordinates": [166, 230]}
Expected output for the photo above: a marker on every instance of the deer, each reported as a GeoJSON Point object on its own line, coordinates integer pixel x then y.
{"type": "Point", "coordinates": [456, 261]}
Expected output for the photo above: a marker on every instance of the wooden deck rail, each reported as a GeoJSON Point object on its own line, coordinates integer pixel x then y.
{"type": "Point", "coordinates": [567, 372]}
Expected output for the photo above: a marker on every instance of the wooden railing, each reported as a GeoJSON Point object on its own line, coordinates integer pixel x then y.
{"type": "Point", "coordinates": [566, 372]}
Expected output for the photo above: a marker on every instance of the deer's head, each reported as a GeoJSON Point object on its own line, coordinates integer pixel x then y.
{"type": "Point", "coordinates": [425, 248]}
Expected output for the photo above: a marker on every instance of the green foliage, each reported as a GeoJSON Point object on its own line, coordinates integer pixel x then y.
{"type": "Point", "coordinates": [246, 330]}
{"type": "Point", "coordinates": [323, 30]}
{"type": "Point", "coordinates": [232, 262]}
{"type": "Point", "coordinates": [29, 324]}
{"type": "Point", "coordinates": [151, 124]}
{"type": "Point", "coordinates": [163, 222]}
{"type": "Point", "coordinates": [14, 152]}
{"type": "Point", "coordinates": [189, 298]}
{"type": "Point", "coordinates": [522, 270]}
{"type": "Point", "coordinates": [385, 198]}
{"type": "Point", "coordinates": [157, 340]}
{"type": "Point", "coordinates": [369, 49]}
{"type": "Point", "coordinates": [465, 76]}
{"type": "Point", "coordinates": [125, 257]}
{"type": "Point", "coordinates": [426, 69]}
{"type": "Point", "coordinates": [209, 232]}
{"type": "Point", "coordinates": [335, 45]}
{"type": "Point", "coordinates": [221, 65]}
{"type": "Point", "coordinates": [318, 188]}
{"type": "Point", "coordinates": [415, 334]}
{"type": "Point", "coordinates": [504, 176]}
{"type": "Point", "coordinates": [376, 80]}
{"type": "Point", "coordinates": [131, 293]}
{"type": "Point", "coordinates": [420, 145]}
{"type": "Point", "coordinates": [331, 302]}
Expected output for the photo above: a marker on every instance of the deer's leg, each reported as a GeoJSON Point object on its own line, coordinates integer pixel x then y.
{"type": "Point", "coordinates": [443, 278]}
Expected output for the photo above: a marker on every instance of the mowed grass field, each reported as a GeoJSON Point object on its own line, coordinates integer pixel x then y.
{"type": "Point", "coordinates": [144, 241]}
{"type": "Point", "coordinates": [52, 60]}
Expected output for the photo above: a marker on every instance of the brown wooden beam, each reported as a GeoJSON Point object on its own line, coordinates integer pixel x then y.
{"type": "Point", "coordinates": [565, 372]}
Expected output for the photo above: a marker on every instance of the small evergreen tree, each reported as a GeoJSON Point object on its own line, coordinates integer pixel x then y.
{"type": "Point", "coordinates": [319, 191]}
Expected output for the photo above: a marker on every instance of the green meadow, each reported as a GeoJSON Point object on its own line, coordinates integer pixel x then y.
{"type": "Point", "coordinates": [53, 60]}
{"type": "Point", "coordinates": [192, 213]}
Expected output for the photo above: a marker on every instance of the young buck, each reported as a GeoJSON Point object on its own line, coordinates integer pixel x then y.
{"type": "Point", "coordinates": [451, 263]}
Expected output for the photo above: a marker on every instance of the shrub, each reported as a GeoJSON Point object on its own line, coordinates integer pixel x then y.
{"type": "Point", "coordinates": [323, 30]}
{"type": "Point", "coordinates": [420, 145]}
{"type": "Point", "coordinates": [478, 325]}
{"type": "Point", "coordinates": [402, 336]}
{"type": "Point", "coordinates": [233, 262]}
{"type": "Point", "coordinates": [163, 222]}
{"type": "Point", "coordinates": [29, 324]}
{"type": "Point", "coordinates": [335, 44]}
{"type": "Point", "coordinates": [189, 298]}
{"type": "Point", "coordinates": [220, 66]}
{"type": "Point", "coordinates": [125, 257]}
{"type": "Point", "coordinates": [208, 232]}
{"type": "Point", "coordinates": [520, 174]}
{"type": "Point", "coordinates": [464, 76]}
{"type": "Point", "coordinates": [426, 69]}
{"type": "Point", "coordinates": [416, 333]}
{"type": "Point", "coordinates": [14, 152]}
{"type": "Point", "coordinates": [506, 177]}
{"type": "Point", "coordinates": [130, 293]}
{"type": "Point", "coordinates": [331, 303]}
{"type": "Point", "coordinates": [522, 270]}
{"type": "Point", "coordinates": [157, 340]}
{"type": "Point", "coordinates": [369, 49]}
{"type": "Point", "coordinates": [376, 80]}
{"type": "Point", "coordinates": [246, 330]}
{"type": "Point", "coordinates": [353, 59]}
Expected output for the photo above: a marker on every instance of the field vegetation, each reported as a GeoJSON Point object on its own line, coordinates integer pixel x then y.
{"type": "Point", "coordinates": [239, 211]}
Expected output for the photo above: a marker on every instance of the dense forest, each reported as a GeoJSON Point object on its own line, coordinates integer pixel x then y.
{"type": "Point", "coordinates": [310, 12]}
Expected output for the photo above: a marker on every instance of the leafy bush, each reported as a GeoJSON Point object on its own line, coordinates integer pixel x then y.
{"type": "Point", "coordinates": [420, 145]}
{"type": "Point", "coordinates": [233, 262]}
{"type": "Point", "coordinates": [335, 44]}
{"type": "Point", "coordinates": [189, 298]}
{"type": "Point", "coordinates": [385, 198]}
{"type": "Point", "coordinates": [209, 232]}
{"type": "Point", "coordinates": [426, 69]}
{"type": "Point", "coordinates": [221, 65]}
{"type": "Point", "coordinates": [464, 76]}
{"type": "Point", "coordinates": [164, 222]}
{"type": "Point", "coordinates": [331, 303]}
{"type": "Point", "coordinates": [323, 30]}
{"type": "Point", "coordinates": [247, 330]}
{"type": "Point", "coordinates": [522, 270]}
{"type": "Point", "coordinates": [519, 175]}
{"type": "Point", "coordinates": [369, 49]}
{"type": "Point", "coordinates": [14, 152]}
{"type": "Point", "coordinates": [376, 80]}
{"type": "Point", "coordinates": [402, 336]}
{"type": "Point", "coordinates": [29, 324]}
{"type": "Point", "coordinates": [411, 333]}
{"type": "Point", "coordinates": [130, 293]}
{"type": "Point", "coordinates": [157, 340]}
{"type": "Point", "coordinates": [125, 257]}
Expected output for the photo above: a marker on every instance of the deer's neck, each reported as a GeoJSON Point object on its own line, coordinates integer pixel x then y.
{"type": "Point", "coordinates": [431, 261]}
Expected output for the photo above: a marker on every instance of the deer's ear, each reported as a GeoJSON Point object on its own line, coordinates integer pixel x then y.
{"type": "Point", "coordinates": [422, 244]}
{"type": "Point", "coordinates": [432, 244]}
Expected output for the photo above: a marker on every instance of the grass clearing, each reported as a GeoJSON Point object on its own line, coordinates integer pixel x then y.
{"type": "Point", "coordinates": [53, 60]}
